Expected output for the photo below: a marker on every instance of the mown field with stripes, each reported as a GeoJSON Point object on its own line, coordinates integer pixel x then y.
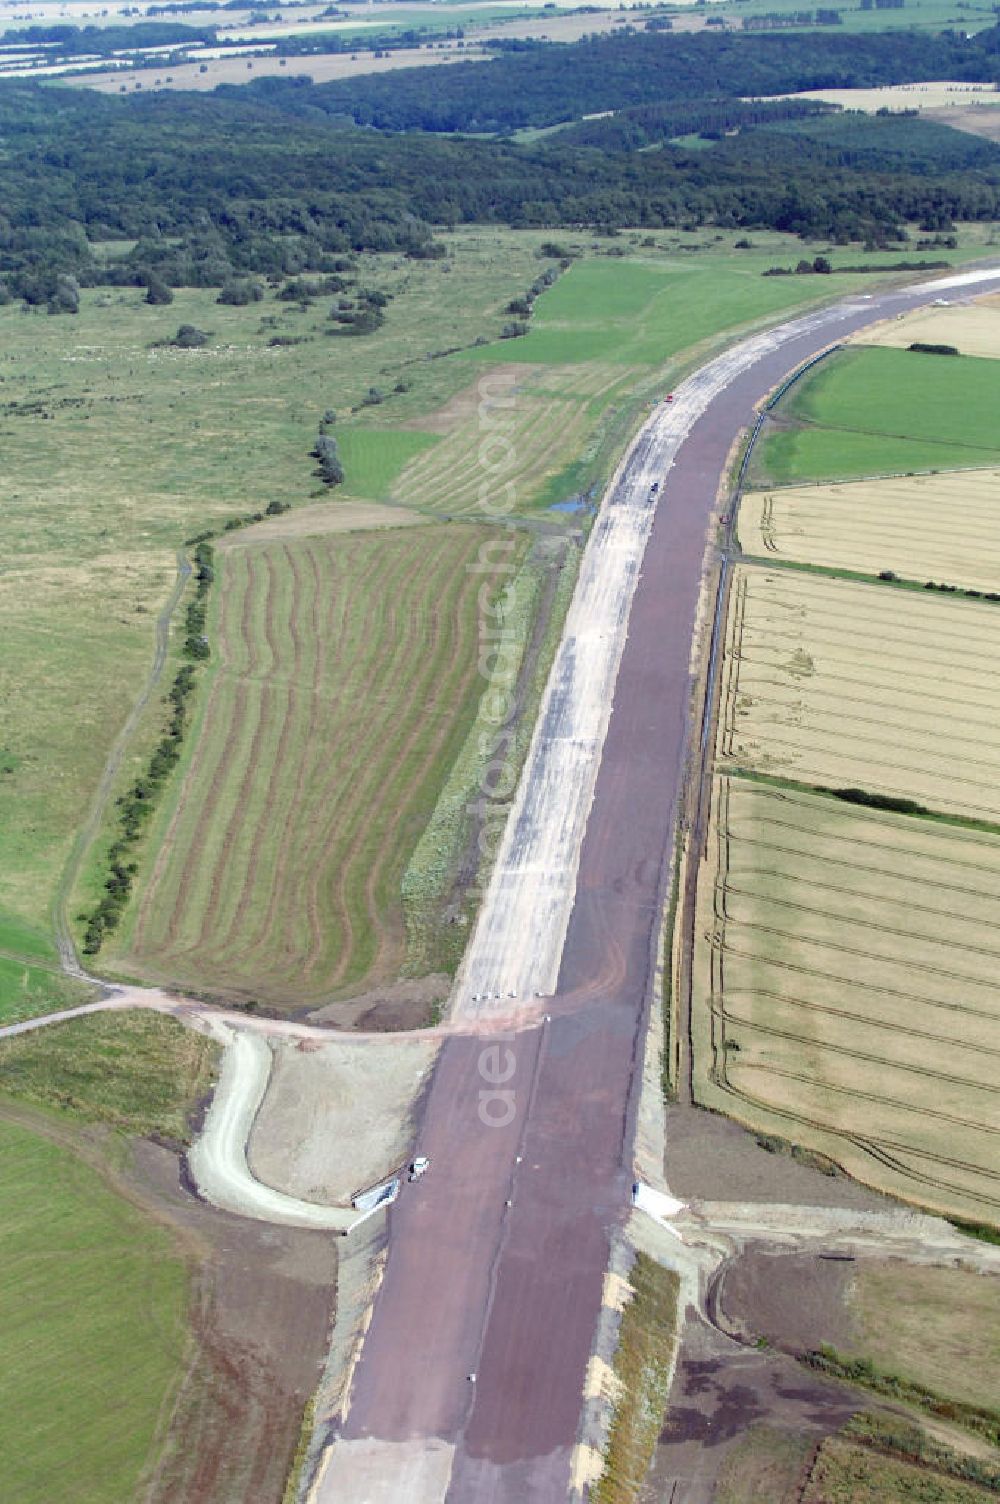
{"type": "Point", "coordinates": [346, 681]}
{"type": "Point", "coordinates": [849, 982]}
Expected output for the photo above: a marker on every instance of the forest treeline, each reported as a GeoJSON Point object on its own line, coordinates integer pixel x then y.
{"type": "Point", "coordinates": [548, 84]}
{"type": "Point", "coordinates": [262, 181]}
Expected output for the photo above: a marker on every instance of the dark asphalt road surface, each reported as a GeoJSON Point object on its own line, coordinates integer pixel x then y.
{"type": "Point", "coordinates": [512, 1293]}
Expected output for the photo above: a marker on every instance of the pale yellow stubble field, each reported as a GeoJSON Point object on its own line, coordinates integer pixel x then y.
{"type": "Point", "coordinates": [973, 328]}
{"type": "Point", "coordinates": [834, 683]}
{"type": "Point", "coordinates": [943, 527]}
{"type": "Point", "coordinates": [846, 989]}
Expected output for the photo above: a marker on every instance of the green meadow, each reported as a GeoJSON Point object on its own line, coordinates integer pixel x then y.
{"type": "Point", "coordinates": [93, 1306]}
{"type": "Point", "coordinates": [878, 411]}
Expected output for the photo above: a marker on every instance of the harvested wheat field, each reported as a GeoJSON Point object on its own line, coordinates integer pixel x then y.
{"type": "Point", "coordinates": [346, 682]}
{"type": "Point", "coordinates": [973, 328]}
{"type": "Point", "coordinates": [843, 684]}
{"type": "Point", "coordinates": [847, 989]}
{"type": "Point", "coordinates": [944, 527]}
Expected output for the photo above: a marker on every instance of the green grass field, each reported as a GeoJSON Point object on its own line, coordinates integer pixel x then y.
{"type": "Point", "coordinates": [647, 306]}
{"type": "Point", "coordinates": [93, 1301]}
{"type": "Point", "coordinates": [31, 980]}
{"type": "Point", "coordinates": [878, 411]}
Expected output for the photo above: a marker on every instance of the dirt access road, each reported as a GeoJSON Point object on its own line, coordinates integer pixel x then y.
{"type": "Point", "coordinates": [497, 1260]}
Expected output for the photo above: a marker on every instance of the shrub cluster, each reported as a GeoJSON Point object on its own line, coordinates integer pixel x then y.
{"type": "Point", "coordinates": [329, 467]}
{"type": "Point", "coordinates": [879, 801]}
{"type": "Point", "coordinates": [928, 349]}
{"type": "Point", "coordinates": [522, 308]}
{"type": "Point", "coordinates": [363, 318]}
{"type": "Point", "coordinates": [972, 595]}
{"type": "Point", "coordinates": [195, 641]}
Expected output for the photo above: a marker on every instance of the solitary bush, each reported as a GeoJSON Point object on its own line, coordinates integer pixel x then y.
{"type": "Point", "coordinates": [879, 801]}
{"type": "Point", "coordinates": [240, 292]}
{"type": "Point", "coordinates": [189, 337]}
{"type": "Point", "coordinates": [66, 297]}
{"type": "Point", "coordinates": [157, 291]}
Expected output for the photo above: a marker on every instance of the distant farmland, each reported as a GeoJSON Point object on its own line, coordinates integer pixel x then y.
{"type": "Point", "coordinates": [347, 681]}
{"type": "Point", "coordinates": [848, 988]}
{"type": "Point", "coordinates": [944, 528]}
{"type": "Point", "coordinates": [835, 683]}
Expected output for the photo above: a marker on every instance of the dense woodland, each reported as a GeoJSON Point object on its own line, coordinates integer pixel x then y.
{"type": "Point", "coordinates": [266, 180]}
{"type": "Point", "coordinates": [544, 84]}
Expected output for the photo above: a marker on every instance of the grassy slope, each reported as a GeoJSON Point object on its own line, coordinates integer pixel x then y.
{"type": "Point", "coordinates": [846, 1473]}
{"type": "Point", "coordinates": [878, 411]}
{"type": "Point", "coordinates": [643, 1367]}
{"type": "Point", "coordinates": [30, 979]}
{"type": "Point", "coordinates": [140, 449]}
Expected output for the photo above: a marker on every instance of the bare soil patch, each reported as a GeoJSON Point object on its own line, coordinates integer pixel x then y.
{"type": "Point", "coordinates": [338, 1117]}
{"type": "Point", "coordinates": [398, 1006]}
{"type": "Point", "coordinates": [795, 1301]}
{"type": "Point", "coordinates": [263, 1302]}
{"type": "Point", "coordinates": [721, 1393]}
{"type": "Point", "coordinates": [712, 1158]}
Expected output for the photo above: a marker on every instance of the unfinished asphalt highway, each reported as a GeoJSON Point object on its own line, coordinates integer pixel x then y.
{"type": "Point", "coordinates": [497, 1258]}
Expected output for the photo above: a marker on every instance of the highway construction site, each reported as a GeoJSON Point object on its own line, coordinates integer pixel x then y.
{"type": "Point", "coordinates": [474, 1320]}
